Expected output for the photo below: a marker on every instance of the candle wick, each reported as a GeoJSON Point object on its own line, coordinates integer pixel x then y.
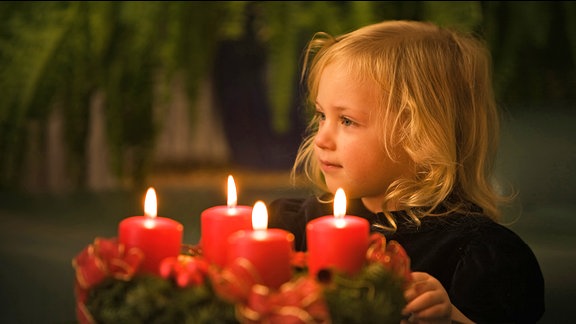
{"type": "Point", "coordinates": [149, 222]}
{"type": "Point", "coordinates": [232, 210]}
{"type": "Point", "coordinates": [150, 216]}
{"type": "Point", "coordinates": [260, 233]}
{"type": "Point", "coordinates": [340, 222]}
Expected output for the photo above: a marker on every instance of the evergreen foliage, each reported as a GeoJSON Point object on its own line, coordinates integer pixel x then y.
{"type": "Point", "coordinates": [363, 300]}
{"type": "Point", "coordinates": [375, 295]}
{"type": "Point", "coordinates": [150, 299]}
{"type": "Point", "coordinates": [58, 54]}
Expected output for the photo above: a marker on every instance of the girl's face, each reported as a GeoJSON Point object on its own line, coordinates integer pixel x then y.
{"type": "Point", "coordinates": [348, 145]}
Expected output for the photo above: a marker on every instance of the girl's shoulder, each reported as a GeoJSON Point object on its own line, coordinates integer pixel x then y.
{"type": "Point", "coordinates": [490, 272]}
{"type": "Point", "coordinates": [492, 255]}
{"type": "Point", "coordinates": [471, 237]}
{"type": "Point", "coordinates": [476, 229]}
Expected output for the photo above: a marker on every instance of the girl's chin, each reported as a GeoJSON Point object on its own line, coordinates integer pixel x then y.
{"type": "Point", "coordinates": [350, 194]}
{"type": "Point", "coordinates": [332, 187]}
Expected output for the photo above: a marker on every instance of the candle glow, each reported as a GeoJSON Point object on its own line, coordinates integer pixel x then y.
{"type": "Point", "coordinates": [219, 222]}
{"type": "Point", "coordinates": [156, 237]}
{"type": "Point", "coordinates": [340, 207]}
{"type": "Point", "coordinates": [337, 241]}
{"type": "Point", "coordinates": [232, 195]}
{"type": "Point", "coordinates": [268, 252]}
{"type": "Point", "coordinates": [150, 208]}
{"type": "Point", "coordinates": [259, 216]}
{"type": "Point", "coordinates": [150, 203]}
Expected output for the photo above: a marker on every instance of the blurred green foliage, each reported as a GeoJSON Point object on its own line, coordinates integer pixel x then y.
{"type": "Point", "coordinates": [58, 54]}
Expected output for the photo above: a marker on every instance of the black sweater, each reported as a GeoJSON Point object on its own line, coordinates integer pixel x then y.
{"type": "Point", "coordinates": [489, 272]}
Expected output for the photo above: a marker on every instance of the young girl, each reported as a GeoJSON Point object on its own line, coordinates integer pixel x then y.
{"type": "Point", "coordinates": [406, 124]}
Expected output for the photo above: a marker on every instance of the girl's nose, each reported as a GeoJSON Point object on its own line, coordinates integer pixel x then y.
{"type": "Point", "coordinates": [324, 138]}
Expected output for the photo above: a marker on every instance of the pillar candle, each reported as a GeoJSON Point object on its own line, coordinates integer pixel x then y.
{"type": "Point", "coordinates": [337, 242]}
{"type": "Point", "coordinates": [219, 222]}
{"type": "Point", "coordinates": [268, 251]}
{"type": "Point", "coordinates": [156, 237]}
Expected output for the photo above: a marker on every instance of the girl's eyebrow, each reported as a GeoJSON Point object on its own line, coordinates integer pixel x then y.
{"type": "Point", "coordinates": [344, 109]}
{"type": "Point", "coordinates": [338, 108]}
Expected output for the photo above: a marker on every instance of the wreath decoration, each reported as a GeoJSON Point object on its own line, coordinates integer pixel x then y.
{"type": "Point", "coordinates": [109, 289]}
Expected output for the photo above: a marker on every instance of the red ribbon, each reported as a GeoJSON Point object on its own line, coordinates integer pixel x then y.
{"type": "Point", "coordinates": [299, 260]}
{"type": "Point", "coordinates": [298, 302]}
{"type": "Point", "coordinates": [102, 259]}
{"type": "Point", "coordinates": [235, 281]}
{"type": "Point", "coordinates": [391, 255]}
{"type": "Point", "coordinates": [185, 270]}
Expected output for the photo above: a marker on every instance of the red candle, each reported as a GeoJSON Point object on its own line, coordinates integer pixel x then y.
{"type": "Point", "coordinates": [268, 251]}
{"type": "Point", "coordinates": [219, 222]}
{"type": "Point", "coordinates": [337, 242]}
{"type": "Point", "coordinates": [156, 237]}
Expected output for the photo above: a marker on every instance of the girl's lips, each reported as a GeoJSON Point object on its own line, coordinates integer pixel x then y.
{"type": "Point", "coordinates": [328, 166]}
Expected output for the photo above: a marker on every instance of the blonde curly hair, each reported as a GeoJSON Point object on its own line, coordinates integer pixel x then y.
{"type": "Point", "coordinates": [436, 86]}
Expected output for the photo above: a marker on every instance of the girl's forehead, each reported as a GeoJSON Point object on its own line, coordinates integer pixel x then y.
{"type": "Point", "coordinates": [349, 70]}
{"type": "Point", "coordinates": [347, 90]}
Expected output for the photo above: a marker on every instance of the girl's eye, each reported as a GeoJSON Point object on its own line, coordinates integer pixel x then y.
{"type": "Point", "coordinates": [346, 122]}
{"type": "Point", "coordinates": [320, 115]}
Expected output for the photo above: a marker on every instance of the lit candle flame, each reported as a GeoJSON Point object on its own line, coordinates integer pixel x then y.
{"type": "Point", "coordinates": [259, 216]}
{"type": "Point", "coordinates": [232, 196]}
{"type": "Point", "coordinates": [150, 204]}
{"type": "Point", "coordinates": [340, 207]}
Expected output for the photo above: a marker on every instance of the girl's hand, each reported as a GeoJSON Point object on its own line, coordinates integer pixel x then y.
{"type": "Point", "coordinates": [427, 300]}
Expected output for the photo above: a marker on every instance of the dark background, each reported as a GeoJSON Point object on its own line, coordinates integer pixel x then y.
{"type": "Point", "coordinates": [40, 234]}
{"type": "Point", "coordinates": [42, 228]}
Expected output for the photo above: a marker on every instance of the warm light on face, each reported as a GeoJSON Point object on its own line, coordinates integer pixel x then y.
{"type": "Point", "coordinates": [232, 195]}
{"type": "Point", "coordinates": [340, 207]}
{"type": "Point", "coordinates": [259, 216]}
